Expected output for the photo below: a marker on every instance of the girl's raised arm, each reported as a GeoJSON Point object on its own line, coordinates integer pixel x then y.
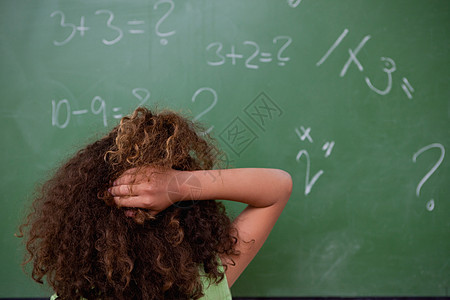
{"type": "Point", "coordinates": [266, 191]}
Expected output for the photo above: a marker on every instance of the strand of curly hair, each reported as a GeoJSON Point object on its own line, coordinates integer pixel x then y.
{"type": "Point", "coordinates": [85, 246]}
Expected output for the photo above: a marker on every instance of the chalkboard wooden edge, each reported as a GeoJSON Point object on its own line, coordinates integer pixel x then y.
{"type": "Point", "coordinates": [293, 298]}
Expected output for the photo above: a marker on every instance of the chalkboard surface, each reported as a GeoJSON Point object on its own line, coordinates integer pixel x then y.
{"type": "Point", "coordinates": [350, 97]}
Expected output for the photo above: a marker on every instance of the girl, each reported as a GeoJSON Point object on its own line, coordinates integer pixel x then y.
{"type": "Point", "coordinates": [133, 215]}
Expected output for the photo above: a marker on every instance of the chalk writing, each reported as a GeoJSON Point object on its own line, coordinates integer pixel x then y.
{"type": "Point", "coordinates": [113, 33]}
{"type": "Point", "coordinates": [214, 102]}
{"type": "Point", "coordinates": [431, 203]}
{"type": "Point", "coordinates": [164, 35]}
{"type": "Point", "coordinates": [294, 3]}
{"type": "Point", "coordinates": [55, 113]}
{"type": "Point", "coordinates": [141, 94]}
{"type": "Point", "coordinates": [251, 62]}
{"type": "Point", "coordinates": [118, 32]}
{"type": "Point", "coordinates": [305, 135]}
{"type": "Point", "coordinates": [309, 182]}
{"type": "Point", "coordinates": [389, 66]}
{"type": "Point", "coordinates": [62, 111]}
{"type": "Point", "coordinates": [407, 88]}
{"type": "Point", "coordinates": [328, 147]}
{"type": "Point", "coordinates": [64, 24]}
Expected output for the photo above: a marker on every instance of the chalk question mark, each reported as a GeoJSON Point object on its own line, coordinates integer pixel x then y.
{"type": "Point", "coordinates": [214, 94]}
{"type": "Point", "coordinates": [430, 204]}
{"type": "Point", "coordinates": [282, 60]}
{"type": "Point", "coordinates": [163, 35]}
{"type": "Point", "coordinates": [142, 98]}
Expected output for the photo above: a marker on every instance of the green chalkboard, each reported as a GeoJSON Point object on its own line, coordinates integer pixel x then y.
{"type": "Point", "coordinates": [350, 97]}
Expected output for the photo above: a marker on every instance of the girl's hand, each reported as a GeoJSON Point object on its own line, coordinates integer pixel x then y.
{"type": "Point", "coordinates": [150, 188]}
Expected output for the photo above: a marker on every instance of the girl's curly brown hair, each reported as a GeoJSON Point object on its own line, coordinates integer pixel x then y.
{"type": "Point", "coordinates": [87, 247]}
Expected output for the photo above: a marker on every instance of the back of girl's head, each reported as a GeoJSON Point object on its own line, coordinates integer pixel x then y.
{"type": "Point", "coordinates": [85, 246]}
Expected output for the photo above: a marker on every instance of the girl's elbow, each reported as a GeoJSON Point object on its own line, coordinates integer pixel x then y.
{"type": "Point", "coordinates": [286, 184]}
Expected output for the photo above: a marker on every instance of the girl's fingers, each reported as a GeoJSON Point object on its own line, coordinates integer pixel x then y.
{"type": "Point", "coordinates": [130, 171]}
{"type": "Point", "coordinates": [134, 176]}
{"type": "Point", "coordinates": [129, 202]}
{"type": "Point", "coordinates": [126, 190]}
{"type": "Point", "coordinates": [125, 179]}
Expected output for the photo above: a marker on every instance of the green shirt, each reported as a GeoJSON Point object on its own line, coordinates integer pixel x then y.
{"type": "Point", "coordinates": [219, 291]}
